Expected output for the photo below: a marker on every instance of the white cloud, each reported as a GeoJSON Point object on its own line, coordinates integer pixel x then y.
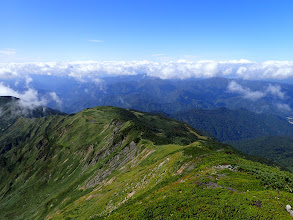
{"type": "Point", "coordinates": [28, 99]}
{"type": "Point", "coordinates": [276, 91]}
{"type": "Point", "coordinates": [100, 84]}
{"type": "Point", "coordinates": [234, 87]}
{"type": "Point", "coordinates": [283, 107]}
{"type": "Point", "coordinates": [164, 69]}
{"type": "Point", "coordinates": [28, 81]}
{"type": "Point", "coordinates": [56, 98]}
{"type": "Point", "coordinates": [96, 41]}
{"type": "Point", "coordinates": [8, 51]}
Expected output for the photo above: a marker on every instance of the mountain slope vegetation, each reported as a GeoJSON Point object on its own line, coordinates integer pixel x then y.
{"type": "Point", "coordinates": [57, 153]}
{"type": "Point", "coordinates": [230, 125]}
{"type": "Point", "coordinates": [114, 163]}
{"type": "Point", "coordinates": [264, 135]}
{"type": "Point", "coordinates": [276, 148]}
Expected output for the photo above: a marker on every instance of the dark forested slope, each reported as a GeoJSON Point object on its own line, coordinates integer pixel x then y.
{"type": "Point", "coordinates": [227, 125]}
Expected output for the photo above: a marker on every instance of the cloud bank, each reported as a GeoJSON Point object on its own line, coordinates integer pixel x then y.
{"type": "Point", "coordinates": [181, 69]}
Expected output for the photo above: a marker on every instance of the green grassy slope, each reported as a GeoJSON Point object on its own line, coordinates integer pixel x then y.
{"type": "Point", "coordinates": [45, 161]}
{"type": "Point", "coordinates": [114, 163]}
{"type": "Point", "coordinates": [276, 148]}
{"type": "Point", "coordinates": [204, 180]}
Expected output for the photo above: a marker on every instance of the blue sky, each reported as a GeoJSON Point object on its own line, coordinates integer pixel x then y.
{"type": "Point", "coordinates": [160, 30]}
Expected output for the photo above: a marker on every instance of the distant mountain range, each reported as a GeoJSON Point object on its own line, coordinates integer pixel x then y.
{"type": "Point", "coordinates": [145, 93]}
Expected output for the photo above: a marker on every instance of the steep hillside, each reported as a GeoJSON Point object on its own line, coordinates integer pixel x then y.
{"type": "Point", "coordinates": [45, 160]}
{"type": "Point", "coordinates": [114, 163]}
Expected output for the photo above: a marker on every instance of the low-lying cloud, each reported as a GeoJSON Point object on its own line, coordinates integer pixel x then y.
{"type": "Point", "coordinates": [275, 90]}
{"type": "Point", "coordinates": [29, 99]}
{"type": "Point", "coordinates": [55, 98]}
{"type": "Point", "coordinates": [284, 107]}
{"type": "Point", "coordinates": [247, 93]}
{"type": "Point", "coordinates": [254, 95]}
{"type": "Point", "coordinates": [166, 70]}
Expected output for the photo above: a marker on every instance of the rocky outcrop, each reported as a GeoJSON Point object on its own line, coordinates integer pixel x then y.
{"type": "Point", "coordinates": [289, 209]}
{"type": "Point", "coordinates": [116, 162]}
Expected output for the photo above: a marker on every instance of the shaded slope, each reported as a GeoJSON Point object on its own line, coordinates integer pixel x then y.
{"type": "Point", "coordinates": [276, 148]}
{"type": "Point", "coordinates": [228, 125]}
{"type": "Point", "coordinates": [262, 135]}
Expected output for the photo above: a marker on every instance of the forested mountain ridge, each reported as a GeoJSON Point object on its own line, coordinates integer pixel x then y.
{"type": "Point", "coordinates": [228, 125]}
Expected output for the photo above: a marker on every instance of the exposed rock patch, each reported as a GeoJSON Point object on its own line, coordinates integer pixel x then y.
{"type": "Point", "coordinates": [289, 209]}
{"type": "Point", "coordinates": [223, 167]}
{"type": "Point", "coordinates": [118, 161]}
{"type": "Point", "coordinates": [213, 185]}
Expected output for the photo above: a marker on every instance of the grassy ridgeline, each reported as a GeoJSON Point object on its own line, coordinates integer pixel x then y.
{"type": "Point", "coordinates": [114, 163]}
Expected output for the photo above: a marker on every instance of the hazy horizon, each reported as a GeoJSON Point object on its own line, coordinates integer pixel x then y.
{"type": "Point", "coordinates": [89, 40]}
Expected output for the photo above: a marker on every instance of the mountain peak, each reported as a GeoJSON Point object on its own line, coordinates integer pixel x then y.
{"type": "Point", "coordinates": [7, 99]}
